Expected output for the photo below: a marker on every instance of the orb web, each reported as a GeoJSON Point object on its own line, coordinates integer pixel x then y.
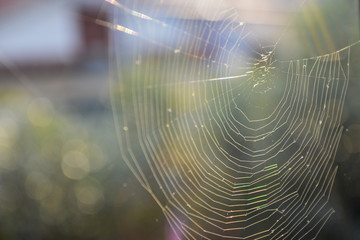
{"type": "Point", "coordinates": [230, 141]}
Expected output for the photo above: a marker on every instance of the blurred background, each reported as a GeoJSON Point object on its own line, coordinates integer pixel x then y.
{"type": "Point", "coordinates": [61, 174]}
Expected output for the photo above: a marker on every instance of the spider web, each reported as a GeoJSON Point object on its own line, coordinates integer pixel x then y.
{"type": "Point", "coordinates": [231, 142]}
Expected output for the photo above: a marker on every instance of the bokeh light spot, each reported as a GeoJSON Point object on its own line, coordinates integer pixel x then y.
{"type": "Point", "coordinates": [40, 112]}
{"type": "Point", "coordinates": [89, 195]}
{"type": "Point", "coordinates": [75, 165]}
{"type": "Point", "coordinates": [38, 186]}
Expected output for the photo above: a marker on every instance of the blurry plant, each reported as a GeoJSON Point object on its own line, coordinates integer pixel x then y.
{"type": "Point", "coordinates": [60, 176]}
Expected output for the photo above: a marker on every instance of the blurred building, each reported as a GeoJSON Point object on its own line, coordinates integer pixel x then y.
{"type": "Point", "coordinates": [43, 33]}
